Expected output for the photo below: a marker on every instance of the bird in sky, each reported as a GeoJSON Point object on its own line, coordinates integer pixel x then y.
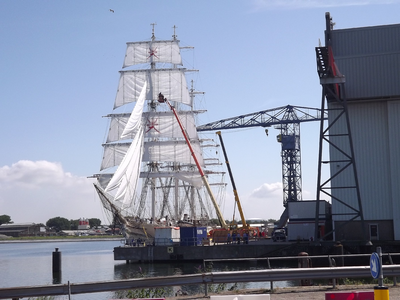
{"type": "Point", "coordinates": [111, 10]}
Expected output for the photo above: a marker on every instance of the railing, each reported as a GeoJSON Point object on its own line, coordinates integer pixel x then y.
{"type": "Point", "coordinates": [331, 262]}
{"type": "Point", "coordinates": [205, 278]}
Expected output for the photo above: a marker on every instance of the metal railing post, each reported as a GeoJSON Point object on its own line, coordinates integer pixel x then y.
{"type": "Point", "coordinates": [271, 282]}
{"type": "Point", "coordinates": [332, 263]}
{"type": "Point", "coordinates": [391, 262]}
{"type": "Point", "coordinates": [205, 284]}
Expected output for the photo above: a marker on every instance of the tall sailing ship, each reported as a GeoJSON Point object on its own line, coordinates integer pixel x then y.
{"type": "Point", "coordinates": [148, 176]}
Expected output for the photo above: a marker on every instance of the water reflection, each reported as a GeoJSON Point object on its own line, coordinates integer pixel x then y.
{"type": "Point", "coordinates": [30, 264]}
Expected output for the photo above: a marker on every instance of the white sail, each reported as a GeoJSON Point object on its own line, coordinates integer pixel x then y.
{"type": "Point", "coordinates": [168, 151]}
{"type": "Point", "coordinates": [117, 125]}
{"type": "Point", "coordinates": [152, 51]}
{"type": "Point", "coordinates": [172, 151]}
{"type": "Point", "coordinates": [157, 124]}
{"type": "Point", "coordinates": [147, 167]}
{"type": "Point", "coordinates": [126, 177]}
{"type": "Point", "coordinates": [164, 125]}
{"type": "Point", "coordinates": [113, 154]}
{"type": "Point", "coordinates": [171, 81]}
{"type": "Point", "coordinates": [134, 122]}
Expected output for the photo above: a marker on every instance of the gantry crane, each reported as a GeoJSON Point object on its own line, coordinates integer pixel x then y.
{"type": "Point", "coordinates": [287, 119]}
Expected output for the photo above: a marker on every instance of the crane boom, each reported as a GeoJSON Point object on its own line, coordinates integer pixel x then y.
{"type": "Point", "coordinates": [283, 115]}
{"type": "Point", "coordinates": [162, 99]}
{"type": "Point", "coordinates": [233, 182]}
{"type": "Point", "coordinates": [287, 120]}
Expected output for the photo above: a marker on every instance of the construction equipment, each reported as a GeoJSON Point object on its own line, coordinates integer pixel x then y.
{"type": "Point", "coordinates": [287, 119]}
{"type": "Point", "coordinates": [162, 99]}
{"type": "Point", "coordinates": [233, 182]}
{"type": "Point", "coordinates": [246, 228]}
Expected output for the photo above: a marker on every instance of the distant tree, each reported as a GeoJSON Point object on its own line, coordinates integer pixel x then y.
{"type": "Point", "coordinates": [59, 223]}
{"type": "Point", "coordinates": [272, 220]}
{"type": "Point", "coordinates": [74, 224]}
{"type": "Point", "coordinates": [229, 222]}
{"type": "Point", "coordinates": [4, 219]}
{"type": "Point", "coordinates": [214, 221]}
{"type": "Point", "coordinates": [94, 222]}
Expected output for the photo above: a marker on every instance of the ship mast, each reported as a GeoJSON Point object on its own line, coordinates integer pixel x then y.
{"type": "Point", "coordinates": [175, 165]}
{"type": "Point", "coordinates": [162, 99]}
{"type": "Point", "coordinates": [153, 166]}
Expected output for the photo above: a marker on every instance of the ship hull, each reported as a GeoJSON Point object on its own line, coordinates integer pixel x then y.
{"type": "Point", "coordinates": [254, 250]}
{"type": "Point", "coordinates": [195, 253]}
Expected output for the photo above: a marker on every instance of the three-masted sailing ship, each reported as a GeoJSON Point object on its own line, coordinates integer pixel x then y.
{"type": "Point", "coordinates": [148, 177]}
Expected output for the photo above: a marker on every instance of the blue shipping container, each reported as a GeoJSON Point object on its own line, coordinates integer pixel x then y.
{"type": "Point", "coordinates": [192, 236]}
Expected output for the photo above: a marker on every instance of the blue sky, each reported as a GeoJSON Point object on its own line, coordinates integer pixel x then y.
{"type": "Point", "coordinates": [59, 63]}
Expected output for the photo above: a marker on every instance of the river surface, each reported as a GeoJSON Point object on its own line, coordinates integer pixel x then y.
{"type": "Point", "coordinates": [30, 264]}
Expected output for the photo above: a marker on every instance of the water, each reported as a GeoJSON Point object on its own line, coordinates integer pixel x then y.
{"type": "Point", "coordinates": [30, 264]}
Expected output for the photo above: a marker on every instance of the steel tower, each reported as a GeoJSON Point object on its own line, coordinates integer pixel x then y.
{"type": "Point", "coordinates": [287, 119]}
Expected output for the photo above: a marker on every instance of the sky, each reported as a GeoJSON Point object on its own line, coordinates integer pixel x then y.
{"type": "Point", "coordinates": [59, 63]}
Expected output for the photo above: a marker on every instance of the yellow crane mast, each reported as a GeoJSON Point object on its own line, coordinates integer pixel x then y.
{"type": "Point", "coordinates": [239, 206]}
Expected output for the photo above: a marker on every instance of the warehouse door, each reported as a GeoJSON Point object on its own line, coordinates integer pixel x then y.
{"type": "Point", "coordinates": [373, 232]}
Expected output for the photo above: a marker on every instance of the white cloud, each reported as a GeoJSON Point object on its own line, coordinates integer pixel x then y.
{"type": "Point", "coordinates": [267, 190]}
{"type": "Point", "coordinates": [35, 191]}
{"type": "Point", "coordinates": [300, 4]}
{"type": "Point", "coordinates": [264, 202]}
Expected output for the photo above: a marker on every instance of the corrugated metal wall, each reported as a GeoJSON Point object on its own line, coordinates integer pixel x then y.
{"type": "Point", "coordinates": [369, 126]}
{"type": "Point", "coordinates": [369, 57]}
{"type": "Point", "coordinates": [306, 210]}
{"type": "Point", "coordinates": [393, 109]}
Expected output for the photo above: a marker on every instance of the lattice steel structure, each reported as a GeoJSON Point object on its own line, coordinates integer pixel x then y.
{"type": "Point", "coordinates": [337, 134]}
{"type": "Point", "coordinates": [287, 119]}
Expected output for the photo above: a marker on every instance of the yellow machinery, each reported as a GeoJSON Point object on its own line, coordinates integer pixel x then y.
{"type": "Point", "coordinates": [162, 99]}
{"type": "Point", "coordinates": [246, 227]}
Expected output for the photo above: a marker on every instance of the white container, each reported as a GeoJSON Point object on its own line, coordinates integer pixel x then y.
{"type": "Point", "coordinates": [167, 236]}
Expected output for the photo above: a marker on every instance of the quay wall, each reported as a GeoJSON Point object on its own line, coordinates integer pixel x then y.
{"type": "Point", "coordinates": [251, 250]}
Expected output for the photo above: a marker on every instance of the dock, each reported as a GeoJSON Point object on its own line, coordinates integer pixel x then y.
{"type": "Point", "coordinates": [255, 249]}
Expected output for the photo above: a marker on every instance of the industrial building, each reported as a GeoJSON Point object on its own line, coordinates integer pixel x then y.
{"type": "Point", "coordinates": [301, 224]}
{"type": "Point", "coordinates": [23, 229]}
{"type": "Point", "coordinates": [359, 70]}
{"type": "Point", "coordinates": [368, 61]}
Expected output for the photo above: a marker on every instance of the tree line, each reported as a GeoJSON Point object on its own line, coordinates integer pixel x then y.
{"type": "Point", "coordinates": [60, 223]}
{"type": "Point", "coordinates": [57, 223]}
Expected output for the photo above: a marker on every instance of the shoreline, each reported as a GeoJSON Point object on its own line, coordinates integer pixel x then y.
{"type": "Point", "coordinates": [63, 240]}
